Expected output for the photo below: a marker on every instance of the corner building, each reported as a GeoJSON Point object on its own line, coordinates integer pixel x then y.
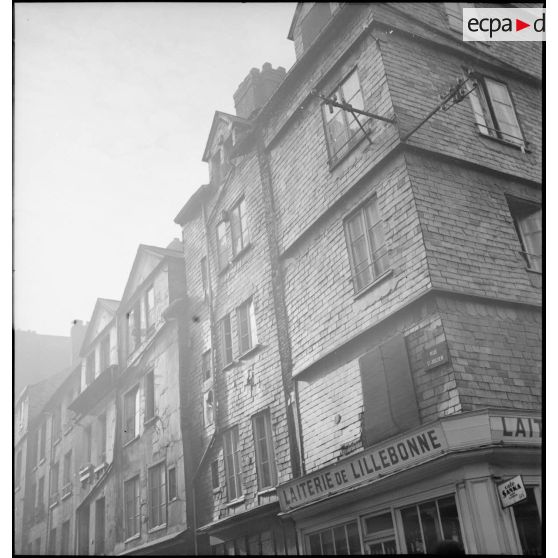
{"type": "Point", "coordinates": [372, 289]}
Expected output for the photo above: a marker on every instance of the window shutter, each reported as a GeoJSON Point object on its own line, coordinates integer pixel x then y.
{"type": "Point", "coordinates": [388, 392]}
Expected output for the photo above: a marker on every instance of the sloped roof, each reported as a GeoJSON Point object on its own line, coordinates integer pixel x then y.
{"type": "Point", "coordinates": [217, 117]}
{"type": "Point", "coordinates": [294, 21]}
{"type": "Point", "coordinates": [107, 304]}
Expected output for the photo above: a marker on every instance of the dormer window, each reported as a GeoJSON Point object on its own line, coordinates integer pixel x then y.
{"type": "Point", "coordinates": [314, 21]}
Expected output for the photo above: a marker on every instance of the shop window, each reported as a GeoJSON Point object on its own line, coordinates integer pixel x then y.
{"type": "Point", "coordinates": [149, 396]}
{"type": "Point", "coordinates": [527, 219]}
{"type": "Point", "coordinates": [65, 539]}
{"type": "Point", "coordinates": [342, 130]}
{"type": "Point", "coordinates": [173, 494]}
{"type": "Point", "coordinates": [427, 524]}
{"type": "Point", "coordinates": [157, 496]}
{"type": "Point", "coordinates": [390, 404]}
{"type": "Point", "coordinates": [232, 464]}
{"type": "Point", "coordinates": [495, 112]}
{"type": "Point", "coordinates": [454, 13]}
{"type": "Point", "coordinates": [379, 534]}
{"type": "Point", "coordinates": [528, 523]}
{"type": "Point", "coordinates": [206, 365]}
{"type": "Point", "coordinates": [132, 507]}
{"type": "Point", "coordinates": [239, 227]}
{"type": "Point", "coordinates": [208, 408]}
{"type": "Point", "coordinates": [367, 245]}
{"type": "Point", "coordinates": [246, 326]}
{"type": "Point", "coordinates": [315, 20]}
{"type": "Point", "coordinates": [131, 415]}
{"type": "Point", "coordinates": [336, 541]}
{"type": "Point", "coordinates": [225, 340]}
{"type": "Point", "coordinates": [263, 442]}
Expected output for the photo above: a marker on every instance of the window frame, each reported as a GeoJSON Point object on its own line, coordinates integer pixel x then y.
{"type": "Point", "coordinates": [206, 365]}
{"type": "Point", "coordinates": [225, 350]}
{"type": "Point", "coordinates": [208, 418]}
{"type": "Point", "coordinates": [90, 363]}
{"type": "Point", "coordinates": [353, 137]}
{"type": "Point", "coordinates": [126, 437]}
{"type": "Point", "coordinates": [101, 438]}
{"type": "Point", "coordinates": [223, 246]}
{"type": "Point", "coordinates": [268, 440]}
{"type": "Point", "coordinates": [162, 506]}
{"type": "Point", "coordinates": [104, 353]}
{"type": "Point", "coordinates": [137, 508]}
{"type": "Point", "coordinates": [215, 476]}
{"type": "Point", "coordinates": [490, 127]}
{"type": "Point", "coordinates": [174, 484]}
{"type": "Point", "coordinates": [149, 397]}
{"type": "Point", "coordinates": [238, 214]}
{"type": "Point", "coordinates": [248, 306]}
{"type": "Point", "coordinates": [527, 208]}
{"type": "Point", "coordinates": [231, 449]}
{"type": "Point", "coordinates": [361, 211]}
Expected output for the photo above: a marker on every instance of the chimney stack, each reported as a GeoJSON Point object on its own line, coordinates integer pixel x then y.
{"type": "Point", "coordinates": [77, 334]}
{"type": "Point", "coordinates": [257, 88]}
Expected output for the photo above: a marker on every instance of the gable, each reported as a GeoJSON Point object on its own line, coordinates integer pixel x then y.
{"type": "Point", "coordinates": [103, 314]}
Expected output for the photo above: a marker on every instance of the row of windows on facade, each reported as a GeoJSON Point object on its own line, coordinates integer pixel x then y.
{"type": "Point", "coordinates": [421, 527]}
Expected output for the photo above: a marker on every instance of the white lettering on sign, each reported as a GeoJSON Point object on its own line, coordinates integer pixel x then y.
{"type": "Point", "coordinates": [512, 491]}
{"type": "Point", "coordinates": [370, 465]}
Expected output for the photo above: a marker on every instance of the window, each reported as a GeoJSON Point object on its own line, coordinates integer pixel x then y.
{"type": "Point", "coordinates": [340, 540]}
{"type": "Point", "coordinates": [157, 496]}
{"type": "Point", "coordinates": [18, 469]}
{"type": "Point", "coordinates": [104, 356]}
{"type": "Point", "coordinates": [225, 340]}
{"type": "Point", "coordinates": [65, 542]}
{"type": "Point", "coordinates": [427, 524]}
{"type": "Point", "coordinates": [173, 493]}
{"type": "Point", "coordinates": [131, 415]}
{"type": "Point", "coordinates": [206, 365]}
{"type": "Point", "coordinates": [87, 443]}
{"type": "Point", "coordinates": [454, 12]}
{"type": "Point", "coordinates": [67, 478]}
{"type": "Point", "coordinates": [239, 228]}
{"type": "Point", "coordinates": [341, 127]}
{"type": "Point", "coordinates": [149, 396]}
{"type": "Point", "coordinates": [52, 541]}
{"type": "Point", "coordinates": [215, 474]}
{"type": "Point", "coordinates": [494, 111]}
{"type": "Point", "coordinates": [42, 441]}
{"type": "Point", "coordinates": [133, 328]}
{"type": "Point", "coordinates": [367, 246]}
{"type": "Point", "coordinates": [100, 527]}
{"type": "Point", "coordinates": [132, 507]}
{"type": "Point", "coordinates": [205, 283]}
{"type": "Point", "coordinates": [263, 442]}
{"type": "Point", "coordinates": [379, 534]}
{"type": "Point", "coordinates": [101, 439]}
{"type": "Point", "coordinates": [222, 245]}
{"type": "Point", "coordinates": [90, 368]}
{"type": "Point", "coordinates": [246, 324]}
{"type": "Point", "coordinates": [232, 464]}
{"type": "Point", "coordinates": [56, 424]}
{"type": "Point", "coordinates": [314, 21]}
{"type": "Point", "coordinates": [54, 474]}
{"type": "Point", "coordinates": [208, 408]}
{"type": "Point", "coordinates": [527, 219]}
{"type": "Point", "coordinates": [150, 309]}
{"type": "Point", "coordinates": [528, 523]}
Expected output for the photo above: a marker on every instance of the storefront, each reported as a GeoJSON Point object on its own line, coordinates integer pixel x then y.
{"type": "Point", "coordinates": [438, 482]}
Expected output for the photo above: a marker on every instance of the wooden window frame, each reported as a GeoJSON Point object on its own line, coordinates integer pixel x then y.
{"type": "Point", "coordinates": [162, 506]}
{"type": "Point", "coordinates": [137, 507]}
{"type": "Point", "coordinates": [268, 440]}
{"type": "Point", "coordinates": [231, 452]}
{"type": "Point", "coordinates": [238, 215]}
{"type": "Point", "coordinates": [226, 350]}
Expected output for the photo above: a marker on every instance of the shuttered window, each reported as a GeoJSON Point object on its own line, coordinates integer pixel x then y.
{"type": "Point", "coordinates": [225, 341]}
{"type": "Point", "coordinates": [263, 442]}
{"type": "Point", "coordinates": [389, 398]}
{"type": "Point", "coordinates": [232, 464]}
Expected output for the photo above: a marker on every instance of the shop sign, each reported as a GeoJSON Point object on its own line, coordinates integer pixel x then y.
{"type": "Point", "coordinates": [436, 356]}
{"type": "Point", "coordinates": [368, 466]}
{"type": "Point", "coordinates": [516, 429]}
{"type": "Point", "coordinates": [512, 491]}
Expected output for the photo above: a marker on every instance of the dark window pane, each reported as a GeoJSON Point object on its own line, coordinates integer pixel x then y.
{"type": "Point", "coordinates": [378, 523]}
{"type": "Point", "coordinates": [354, 538]}
{"type": "Point", "coordinates": [411, 528]}
{"type": "Point", "coordinates": [327, 543]}
{"type": "Point", "coordinates": [315, 546]}
{"type": "Point", "coordinates": [430, 525]}
{"type": "Point", "coordinates": [450, 520]}
{"type": "Point", "coordinates": [340, 538]}
{"type": "Point", "coordinates": [529, 524]}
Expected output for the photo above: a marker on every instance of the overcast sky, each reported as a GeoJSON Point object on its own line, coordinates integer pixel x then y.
{"type": "Point", "coordinates": [113, 105]}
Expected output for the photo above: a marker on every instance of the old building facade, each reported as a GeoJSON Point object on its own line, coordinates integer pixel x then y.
{"type": "Point", "coordinates": [399, 266]}
{"type": "Point", "coordinates": [343, 354]}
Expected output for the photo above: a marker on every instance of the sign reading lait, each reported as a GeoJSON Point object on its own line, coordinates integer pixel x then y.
{"type": "Point", "coordinates": [512, 491]}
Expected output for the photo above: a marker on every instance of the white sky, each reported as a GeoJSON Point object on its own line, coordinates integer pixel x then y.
{"type": "Point", "coordinates": [113, 105]}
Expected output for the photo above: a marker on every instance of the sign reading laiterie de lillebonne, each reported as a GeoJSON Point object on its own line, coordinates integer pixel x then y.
{"type": "Point", "coordinates": [453, 433]}
{"type": "Point", "coordinates": [382, 459]}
